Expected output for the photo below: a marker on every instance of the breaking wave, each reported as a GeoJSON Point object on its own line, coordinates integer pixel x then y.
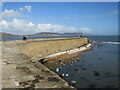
{"type": "Point", "coordinates": [112, 42]}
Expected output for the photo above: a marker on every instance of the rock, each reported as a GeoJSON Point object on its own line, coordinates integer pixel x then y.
{"type": "Point", "coordinates": [52, 69]}
{"type": "Point", "coordinates": [76, 69]}
{"type": "Point", "coordinates": [73, 82]}
{"type": "Point", "coordinates": [57, 69]}
{"type": "Point", "coordinates": [66, 75]}
{"type": "Point", "coordinates": [74, 60]}
{"type": "Point", "coordinates": [68, 62]}
{"type": "Point", "coordinates": [99, 45]}
{"type": "Point", "coordinates": [63, 75]}
{"type": "Point", "coordinates": [63, 64]}
{"type": "Point", "coordinates": [96, 73]}
{"type": "Point", "coordinates": [60, 67]}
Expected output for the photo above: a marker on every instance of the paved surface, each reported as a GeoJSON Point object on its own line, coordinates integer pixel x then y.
{"type": "Point", "coordinates": [18, 71]}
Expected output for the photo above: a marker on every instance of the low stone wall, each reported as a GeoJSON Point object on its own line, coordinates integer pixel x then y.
{"type": "Point", "coordinates": [42, 48]}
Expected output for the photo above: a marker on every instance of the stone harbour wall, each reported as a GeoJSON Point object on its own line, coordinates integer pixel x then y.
{"type": "Point", "coordinates": [20, 65]}
{"type": "Point", "coordinates": [38, 49]}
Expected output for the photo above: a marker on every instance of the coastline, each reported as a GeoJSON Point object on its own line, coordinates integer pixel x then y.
{"type": "Point", "coordinates": [34, 74]}
{"type": "Point", "coordinates": [68, 52]}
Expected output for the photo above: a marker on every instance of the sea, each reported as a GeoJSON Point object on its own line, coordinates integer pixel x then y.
{"type": "Point", "coordinates": [97, 68]}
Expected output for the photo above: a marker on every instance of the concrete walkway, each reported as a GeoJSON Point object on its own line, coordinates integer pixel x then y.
{"type": "Point", "coordinates": [18, 71]}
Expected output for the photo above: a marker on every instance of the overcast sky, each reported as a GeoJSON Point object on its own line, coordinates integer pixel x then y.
{"type": "Point", "coordinates": [99, 18]}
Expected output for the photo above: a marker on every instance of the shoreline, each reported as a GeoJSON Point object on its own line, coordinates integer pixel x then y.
{"type": "Point", "coordinates": [34, 74]}
{"type": "Point", "coordinates": [69, 52]}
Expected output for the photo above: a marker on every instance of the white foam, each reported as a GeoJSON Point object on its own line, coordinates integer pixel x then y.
{"type": "Point", "coordinates": [112, 42]}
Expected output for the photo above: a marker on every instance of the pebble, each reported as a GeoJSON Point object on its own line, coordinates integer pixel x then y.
{"type": "Point", "coordinates": [66, 75]}
{"type": "Point", "coordinates": [68, 62]}
{"type": "Point", "coordinates": [61, 62]}
{"type": "Point", "coordinates": [78, 71]}
{"type": "Point", "coordinates": [73, 82]}
{"type": "Point", "coordinates": [96, 73]}
{"type": "Point", "coordinates": [60, 67]}
{"type": "Point", "coordinates": [57, 69]}
{"type": "Point", "coordinates": [63, 75]}
{"type": "Point", "coordinates": [74, 60]}
{"type": "Point", "coordinates": [52, 69]}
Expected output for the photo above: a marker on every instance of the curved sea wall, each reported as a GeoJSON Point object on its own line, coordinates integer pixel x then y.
{"type": "Point", "coordinates": [38, 49]}
{"type": "Point", "coordinates": [21, 67]}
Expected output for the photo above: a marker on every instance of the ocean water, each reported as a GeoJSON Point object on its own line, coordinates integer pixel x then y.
{"type": "Point", "coordinates": [97, 68]}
